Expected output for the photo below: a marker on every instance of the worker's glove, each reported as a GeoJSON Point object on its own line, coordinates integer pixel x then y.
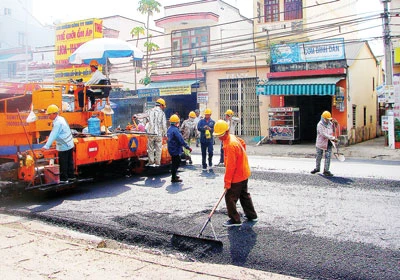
{"type": "Point", "coordinates": [190, 149]}
{"type": "Point", "coordinates": [227, 185]}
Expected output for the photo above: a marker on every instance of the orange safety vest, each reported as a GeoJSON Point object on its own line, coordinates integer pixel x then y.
{"type": "Point", "coordinates": [235, 159]}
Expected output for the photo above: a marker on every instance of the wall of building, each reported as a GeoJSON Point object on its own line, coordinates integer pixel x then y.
{"type": "Point", "coordinates": [363, 76]}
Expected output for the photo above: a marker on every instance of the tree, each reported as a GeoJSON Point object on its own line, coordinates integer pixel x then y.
{"type": "Point", "coordinates": [136, 32]}
{"type": "Point", "coordinates": [148, 7]}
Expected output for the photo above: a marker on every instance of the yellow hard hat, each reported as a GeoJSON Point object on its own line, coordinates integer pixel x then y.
{"type": "Point", "coordinates": [174, 119]}
{"type": "Point", "coordinates": [207, 111]}
{"type": "Point", "coordinates": [220, 128]}
{"type": "Point", "coordinates": [326, 115]}
{"type": "Point", "coordinates": [94, 63]}
{"type": "Point", "coordinates": [161, 102]}
{"type": "Point", "coordinates": [52, 109]}
{"type": "Point", "coordinates": [192, 114]}
{"type": "Point", "coordinates": [229, 112]}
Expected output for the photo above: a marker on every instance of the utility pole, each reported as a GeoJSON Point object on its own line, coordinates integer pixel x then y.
{"type": "Point", "coordinates": [388, 43]}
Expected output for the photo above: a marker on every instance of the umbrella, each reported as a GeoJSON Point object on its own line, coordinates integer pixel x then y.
{"type": "Point", "coordinates": [103, 48]}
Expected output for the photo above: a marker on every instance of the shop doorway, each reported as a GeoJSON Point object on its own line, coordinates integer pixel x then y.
{"type": "Point", "coordinates": [311, 108]}
{"type": "Point", "coordinates": [181, 104]}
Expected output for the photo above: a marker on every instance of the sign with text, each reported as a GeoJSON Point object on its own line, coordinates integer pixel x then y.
{"type": "Point", "coordinates": [69, 37]}
{"type": "Point", "coordinates": [176, 90]}
{"type": "Point", "coordinates": [202, 97]}
{"type": "Point", "coordinates": [319, 50]}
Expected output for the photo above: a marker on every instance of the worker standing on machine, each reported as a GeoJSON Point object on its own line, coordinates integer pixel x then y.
{"type": "Point", "coordinates": [61, 133]}
{"type": "Point", "coordinates": [157, 129]}
{"type": "Point", "coordinates": [97, 76]}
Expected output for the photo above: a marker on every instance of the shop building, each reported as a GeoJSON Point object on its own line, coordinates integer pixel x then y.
{"type": "Point", "coordinates": [213, 63]}
{"type": "Point", "coordinates": [323, 75]}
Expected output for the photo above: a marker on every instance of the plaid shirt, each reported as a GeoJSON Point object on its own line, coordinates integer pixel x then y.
{"type": "Point", "coordinates": [157, 122]}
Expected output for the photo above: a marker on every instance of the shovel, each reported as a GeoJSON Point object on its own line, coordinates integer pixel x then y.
{"type": "Point", "coordinates": [339, 156]}
{"type": "Point", "coordinates": [187, 242]}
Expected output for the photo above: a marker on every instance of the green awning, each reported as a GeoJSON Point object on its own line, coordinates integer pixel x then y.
{"type": "Point", "coordinates": [306, 86]}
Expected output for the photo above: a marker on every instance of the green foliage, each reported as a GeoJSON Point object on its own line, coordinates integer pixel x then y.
{"type": "Point", "coordinates": [148, 7]}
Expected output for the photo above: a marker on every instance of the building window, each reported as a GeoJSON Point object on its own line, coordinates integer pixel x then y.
{"type": "Point", "coordinates": [12, 70]}
{"type": "Point", "coordinates": [271, 10]}
{"type": "Point", "coordinates": [258, 12]}
{"type": "Point", "coordinates": [293, 9]}
{"type": "Point", "coordinates": [21, 39]}
{"type": "Point", "coordinates": [190, 43]}
{"type": "Point", "coordinates": [373, 83]}
{"type": "Point", "coordinates": [354, 114]}
{"type": "Point", "coordinates": [365, 116]}
{"type": "Point", "coordinates": [7, 11]}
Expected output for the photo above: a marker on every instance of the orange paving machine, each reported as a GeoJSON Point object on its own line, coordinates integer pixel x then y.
{"type": "Point", "coordinates": [25, 128]}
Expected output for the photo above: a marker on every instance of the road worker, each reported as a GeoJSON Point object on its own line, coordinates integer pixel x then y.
{"type": "Point", "coordinates": [189, 130]}
{"type": "Point", "coordinates": [206, 129]}
{"type": "Point", "coordinates": [232, 122]}
{"type": "Point", "coordinates": [61, 133]}
{"type": "Point", "coordinates": [175, 144]}
{"type": "Point", "coordinates": [237, 173]}
{"type": "Point", "coordinates": [97, 76]}
{"type": "Point", "coordinates": [325, 130]}
{"type": "Point", "coordinates": [158, 127]}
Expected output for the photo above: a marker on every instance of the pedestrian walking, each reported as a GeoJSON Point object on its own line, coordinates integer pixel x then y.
{"type": "Point", "coordinates": [61, 133]}
{"type": "Point", "coordinates": [157, 129]}
{"type": "Point", "coordinates": [175, 143]}
{"type": "Point", "coordinates": [325, 134]}
{"type": "Point", "coordinates": [188, 129]}
{"type": "Point", "coordinates": [206, 129]}
{"type": "Point", "coordinates": [237, 173]}
{"type": "Point", "coordinates": [232, 123]}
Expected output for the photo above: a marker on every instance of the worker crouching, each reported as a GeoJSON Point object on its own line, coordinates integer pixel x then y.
{"type": "Point", "coordinates": [175, 144]}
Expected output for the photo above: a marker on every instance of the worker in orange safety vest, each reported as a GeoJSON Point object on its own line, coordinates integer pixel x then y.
{"type": "Point", "coordinates": [237, 172]}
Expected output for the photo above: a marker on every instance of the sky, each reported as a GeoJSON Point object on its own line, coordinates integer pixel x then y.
{"type": "Point", "coordinates": [49, 11]}
{"type": "Point", "coordinates": [56, 11]}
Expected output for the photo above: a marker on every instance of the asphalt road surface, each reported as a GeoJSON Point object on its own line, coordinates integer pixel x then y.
{"type": "Point", "coordinates": [309, 226]}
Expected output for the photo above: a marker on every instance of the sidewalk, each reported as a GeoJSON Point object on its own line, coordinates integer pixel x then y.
{"type": "Point", "coordinates": [35, 250]}
{"type": "Point", "coordinates": [373, 149]}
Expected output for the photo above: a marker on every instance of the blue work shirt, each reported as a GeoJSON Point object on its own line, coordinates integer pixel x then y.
{"type": "Point", "coordinates": [175, 141]}
{"type": "Point", "coordinates": [61, 133]}
{"type": "Point", "coordinates": [200, 127]}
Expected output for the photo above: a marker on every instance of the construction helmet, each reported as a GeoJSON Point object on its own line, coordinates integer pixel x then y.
{"type": "Point", "coordinates": [326, 115]}
{"type": "Point", "coordinates": [229, 112]}
{"type": "Point", "coordinates": [161, 101]}
{"type": "Point", "coordinates": [192, 114]}
{"type": "Point", "coordinates": [52, 109]}
{"type": "Point", "coordinates": [220, 128]}
{"type": "Point", "coordinates": [207, 111]}
{"type": "Point", "coordinates": [174, 119]}
{"type": "Point", "coordinates": [94, 63]}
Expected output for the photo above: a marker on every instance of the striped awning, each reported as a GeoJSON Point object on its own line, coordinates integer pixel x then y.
{"type": "Point", "coordinates": [304, 86]}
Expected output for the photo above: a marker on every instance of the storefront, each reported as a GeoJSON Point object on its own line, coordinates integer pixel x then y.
{"type": "Point", "coordinates": [180, 96]}
{"type": "Point", "coordinates": [311, 77]}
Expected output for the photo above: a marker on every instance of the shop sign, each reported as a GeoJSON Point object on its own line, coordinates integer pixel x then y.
{"type": "Point", "coordinates": [385, 123]}
{"type": "Point", "coordinates": [202, 97]}
{"type": "Point", "coordinates": [148, 92]}
{"type": "Point", "coordinates": [177, 90]}
{"type": "Point", "coordinates": [69, 37]}
{"type": "Point", "coordinates": [319, 50]}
